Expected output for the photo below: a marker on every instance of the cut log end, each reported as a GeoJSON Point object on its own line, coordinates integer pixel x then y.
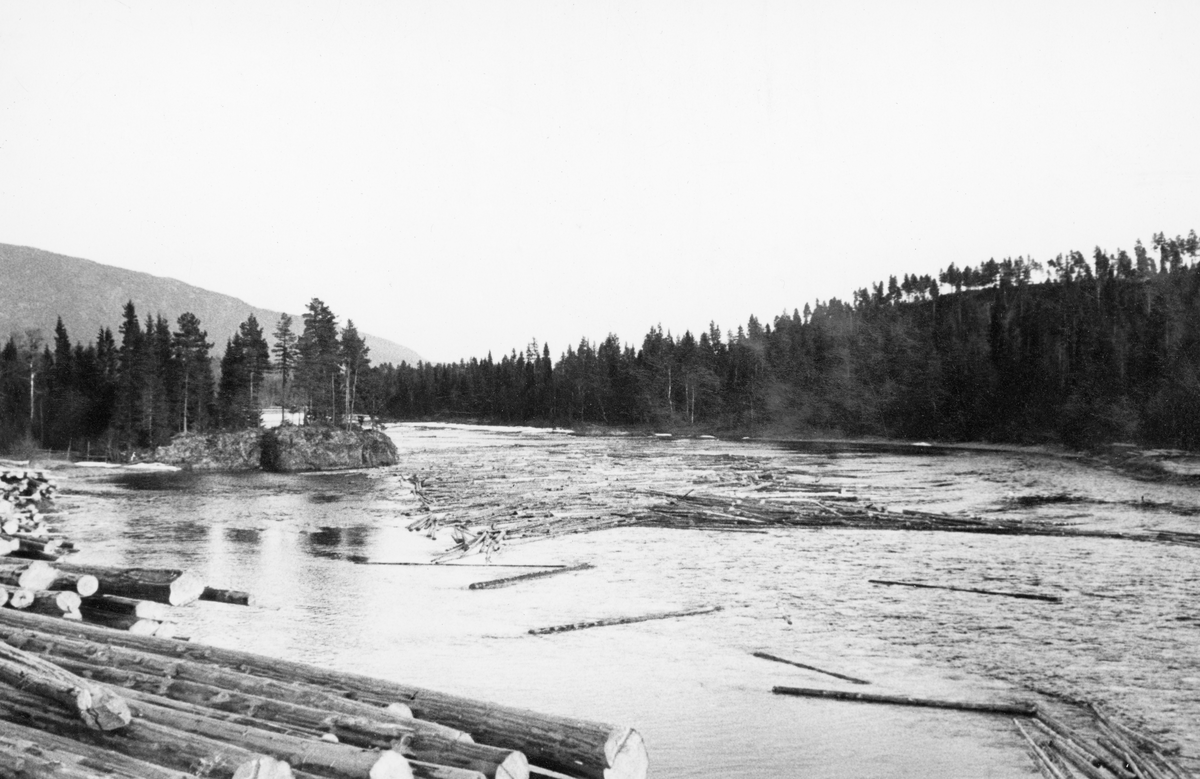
{"type": "Point", "coordinates": [106, 711]}
{"type": "Point", "coordinates": [515, 766]}
{"type": "Point", "coordinates": [186, 589]}
{"type": "Point", "coordinates": [87, 585]}
{"type": "Point", "coordinates": [631, 760]}
{"type": "Point", "coordinates": [263, 767]}
{"type": "Point", "coordinates": [390, 765]}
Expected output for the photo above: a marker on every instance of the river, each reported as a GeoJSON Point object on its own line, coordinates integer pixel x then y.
{"type": "Point", "coordinates": [1127, 632]}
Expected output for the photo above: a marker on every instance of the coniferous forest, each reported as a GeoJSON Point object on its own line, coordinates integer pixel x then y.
{"type": "Point", "coordinates": [1079, 351]}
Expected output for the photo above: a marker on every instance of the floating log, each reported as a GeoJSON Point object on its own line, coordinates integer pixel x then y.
{"type": "Point", "coordinates": [114, 604]}
{"type": "Point", "coordinates": [1074, 755]}
{"type": "Point", "coordinates": [1135, 736]}
{"type": "Point", "coordinates": [566, 744]}
{"type": "Point", "coordinates": [142, 740]}
{"type": "Point", "coordinates": [234, 597]}
{"type": "Point", "coordinates": [26, 753]}
{"type": "Point", "coordinates": [511, 580]}
{"type": "Point", "coordinates": [623, 620]}
{"type": "Point", "coordinates": [1025, 595]}
{"type": "Point", "coordinates": [173, 587]}
{"type": "Point", "coordinates": [1093, 753]}
{"type": "Point", "coordinates": [1039, 754]}
{"type": "Point", "coordinates": [1024, 709]}
{"type": "Point", "coordinates": [96, 706]}
{"type": "Point", "coordinates": [766, 656]}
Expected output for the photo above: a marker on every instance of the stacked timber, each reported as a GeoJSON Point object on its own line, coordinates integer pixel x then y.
{"type": "Point", "coordinates": [24, 497]}
{"type": "Point", "coordinates": [133, 599]}
{"type": "Point", "coordinates": [199, 708]}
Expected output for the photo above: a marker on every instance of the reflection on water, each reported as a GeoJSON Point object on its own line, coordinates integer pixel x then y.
{"type": "Point", "coordinates": [1121, 635]}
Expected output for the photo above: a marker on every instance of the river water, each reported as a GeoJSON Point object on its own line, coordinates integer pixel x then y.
{"type": "Point", "coordinates": [1127, 632]}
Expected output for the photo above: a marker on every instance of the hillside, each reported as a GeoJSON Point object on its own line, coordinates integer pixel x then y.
{"type": "Point", "coordinates": [37, 286]}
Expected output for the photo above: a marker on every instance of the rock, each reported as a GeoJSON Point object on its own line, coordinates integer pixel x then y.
{"type": "Point", "coordinates": [317, 448]}
{"type": "Point", "coordinates": [234, 451]}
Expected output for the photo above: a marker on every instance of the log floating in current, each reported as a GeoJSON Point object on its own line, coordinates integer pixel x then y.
{"type": "Point", "coordinates": [623, 620]}
{"type": "Point", "coordinates": [766, 656]}
{"type": "Point", "coordinates": [1025, 595]}
{"type": "Point", "coordinates": [508, 581]}
{"type": "Point", "coordinates": [115, 604]}
{"type": "Point", "coordinates": [1026, 709]}
{"type": "Point", "coordinates": [234, 597]}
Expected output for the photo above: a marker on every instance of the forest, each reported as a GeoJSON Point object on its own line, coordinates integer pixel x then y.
{"type": "Point", "coordinates": [1079, 351]}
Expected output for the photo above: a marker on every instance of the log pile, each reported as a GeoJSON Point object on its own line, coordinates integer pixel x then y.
{"type": "Point", "coordinates": [133, 599]}
{"type": "Point", "coordinates": [24, 497]}
{"type": "Point", "coordinates": [224, 713]}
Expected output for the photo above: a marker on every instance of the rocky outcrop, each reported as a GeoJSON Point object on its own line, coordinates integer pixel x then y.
{"type": "Point", "coordinates": [289, 448]}
{"type": "Point", "coordinates": [236, 451]}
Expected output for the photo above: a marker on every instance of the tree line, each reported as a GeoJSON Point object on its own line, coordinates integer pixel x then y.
{"type": "Point", "coordinates": [1077, 350]}
{"type": "Point", "coordinates": [151, 381]}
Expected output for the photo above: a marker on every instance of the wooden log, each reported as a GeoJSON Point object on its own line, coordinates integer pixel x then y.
{"type": "Point", "coordinates": [170, 586]}
{"type": "Point", "coordinates": [1024, 709]}
{"type": "Point", "coordinates": [114, 604]}
{"type": "Point", "coordinates": [37, 754]}
{"type": "Point", "coordinates": [54, 604]}
{"type": "Point", "coordinates": [140, 740]}
{"type": "Point", "coordinates": [766, 656]}
{"type": "Point", "coordinates": [36, 575]}
{"type": "Point", "coordinates": [623, 620]}
{"type": "Point", "coordinates": [570, 745]}
{"type": "Point", "coordinates": [19, 598]}
{"type": "Point", "coordinates": [307, 754]}
{"type": "Point", "coordinates": [95, 705]}
{"type": "Point", "coordinates": [3, 596]}
{"type": "Point", "coordinates": [1071, 752]}
{"type": "Point", "coordinates": [1136, 737]}
{"type": "Point", "coordinates": [511, 580]}
{"type": "Point", "coordinates": [130, 668]}
{"type": "Point", "coordinates": [379, 729]}
{"type": "Point", "coordinates": [128, 622]}
{"type": "Point", "coordinates": [1039, 754]}
{"type": "Point", "coordinates": [1025, 595]}
{"type": "Point", "coordinates": [234, 597]}
{"type": "Point", "coordinates": [434, 771]}
{"type": "Point", "coordinates": [83, 584]}
{"type": "Point", "coordinates": [1078, 742]}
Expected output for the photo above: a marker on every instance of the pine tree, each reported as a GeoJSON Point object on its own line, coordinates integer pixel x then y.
{"type": "Point", "coordinates": [190, 345]}
{"type": "Point", "coordinates": [317, 360]}
{"type": "Point", "coordinates": [285, 354]}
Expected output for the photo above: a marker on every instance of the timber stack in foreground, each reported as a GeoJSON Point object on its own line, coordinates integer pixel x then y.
{"type": "Point", "coordinates": [201, 710]}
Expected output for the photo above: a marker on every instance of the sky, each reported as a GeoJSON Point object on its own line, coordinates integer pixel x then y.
{"type": "Point", "coordinates": [465, 177]}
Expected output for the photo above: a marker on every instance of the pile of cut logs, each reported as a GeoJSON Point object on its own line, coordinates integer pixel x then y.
{"type": "Point", "coordinates": [78, 700]}
{"type": "Point", "coordinates": [138, 600]}
{"type": "Point", "coordinates": [23, 529]}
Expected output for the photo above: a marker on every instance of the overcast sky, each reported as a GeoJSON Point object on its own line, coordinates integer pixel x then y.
{"type": "Point", "coordinates": [463, 177]}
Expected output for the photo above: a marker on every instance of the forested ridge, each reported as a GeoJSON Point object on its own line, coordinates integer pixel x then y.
{"type": "Point", "coordinates": [1079, 350]}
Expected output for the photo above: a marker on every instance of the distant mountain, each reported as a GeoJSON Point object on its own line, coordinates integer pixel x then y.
{"type": "Point", "coordinates": [37, 287]}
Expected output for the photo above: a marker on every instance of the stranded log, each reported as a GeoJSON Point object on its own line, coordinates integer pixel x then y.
{"type": "Point", "coordinates": [1025, 595]}
{"type": "Point", "coordinates": [1026, 709]}
{"type": "Point", "coordinates": [568, 745]}
{"type": "Point", "coordinates": [173, 587]}
{"type": "Point", "coordinates": [114, 604]}
{"type": "Point", "coordinates": [766, 656]}
{"type": "Point", "coordinates": [141, 740]}
{"type": "Point", "coordinates": [305, 754]}
{"type": "Point", "coordinates": [511, 580]}
{"type": "Point", "coordinates": [26, 753]}
{"type": "Point", "coordinates": [623, 620]}
{"type": "Point", "coordinates": [378, 729]}
{"type": "Point", "coordinates": [94, 704]}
